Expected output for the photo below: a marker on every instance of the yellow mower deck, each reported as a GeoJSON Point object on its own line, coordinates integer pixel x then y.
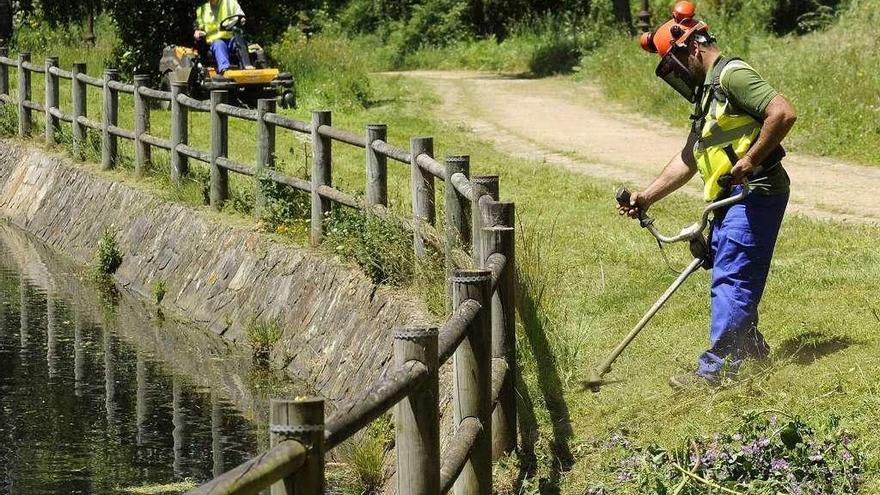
{"type": "Point", "coordinates": [248, 76]}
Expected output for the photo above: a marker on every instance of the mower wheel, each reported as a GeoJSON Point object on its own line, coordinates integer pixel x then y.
{"type": "Point", "coordinates": [288, 100]}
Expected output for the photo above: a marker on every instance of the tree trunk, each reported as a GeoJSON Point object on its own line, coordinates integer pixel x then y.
{"type": "Point", "coordinates": [623, 15]}
{"type": "Point", "coordinates": [90, 29]}
{"type": "Point", "coordinates": [5, 22]}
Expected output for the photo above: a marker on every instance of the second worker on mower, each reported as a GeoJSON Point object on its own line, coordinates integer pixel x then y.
{"type": "Point", "coordinates": [739, 122]}
{"type": "Point", "coordinates": [208, 18]}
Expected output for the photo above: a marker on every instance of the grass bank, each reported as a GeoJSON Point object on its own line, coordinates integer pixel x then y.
{"type": "Point", "coordinates": [586, 275]}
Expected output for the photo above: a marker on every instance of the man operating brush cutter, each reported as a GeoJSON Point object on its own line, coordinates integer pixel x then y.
{"type": "Point", "coordinates": [739, 121]}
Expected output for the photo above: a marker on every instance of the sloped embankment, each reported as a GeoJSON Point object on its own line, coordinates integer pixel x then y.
{"type": "Point", "coordinates": [337, 326]}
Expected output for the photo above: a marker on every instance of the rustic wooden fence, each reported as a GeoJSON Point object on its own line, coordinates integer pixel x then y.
{"type": "Point", "coordinates": [479, 334]}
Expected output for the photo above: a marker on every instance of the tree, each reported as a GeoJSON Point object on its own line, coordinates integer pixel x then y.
{"type": "Point", "coordinates": [65, 12]}
{"type": "Point", "coordinates": [5, 22]}
{"type": "Point", "coordinates": [145, 28]}
{"type": "Point", "coordinates": [623, 15]}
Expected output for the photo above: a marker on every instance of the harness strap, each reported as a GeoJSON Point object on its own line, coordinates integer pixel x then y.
{"type": "Point", "coordinates": [721, 136]}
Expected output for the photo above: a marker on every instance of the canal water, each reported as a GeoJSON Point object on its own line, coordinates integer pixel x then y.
{"type": "Point", "coordinates": [101, 394]}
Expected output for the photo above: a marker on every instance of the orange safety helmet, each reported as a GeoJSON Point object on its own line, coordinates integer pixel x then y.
{"type": "Point", "coordinates": [674, 32]}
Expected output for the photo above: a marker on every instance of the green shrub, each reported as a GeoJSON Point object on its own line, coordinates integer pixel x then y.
{"type": "Point", "coordinates": [328, 72]}
{"type": "Point", "coordinates": [381, 248]}
{"type": "Point", "coordinates": [362, 459]}
{"type": "Point", "coordinates": [8, 121]}
{"type": "Point", "coordinates": [557, 57]}
{"type": "Point", "coordinates": [159, 291]}
{"type": "Point", "coordinates": [107, 257]}
{"type": "Point", "coordinates": [263, 335]}
{"type": "Point", "coordinates": [432, 23]}
{"type": "Point", "coordinates": [284, 206]}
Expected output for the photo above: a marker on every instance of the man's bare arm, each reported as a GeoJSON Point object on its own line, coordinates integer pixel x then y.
{"type": "Point", "coordinates": [779, 117]}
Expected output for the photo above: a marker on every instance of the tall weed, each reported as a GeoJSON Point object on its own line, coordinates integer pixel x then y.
{"type": "Point", "coordinates": [328, 71]}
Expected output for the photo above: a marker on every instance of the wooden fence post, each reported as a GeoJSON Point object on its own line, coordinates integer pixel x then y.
{"type": "Point", "coordinates": [501, 239]}
{"type": "Point", "coordinates": [303, 421]}
{"type": "Point", "coordinates": [417, 417]}
{"type": "Point", "coordinates": [422, 191]}
{"type": "Point", "coordinates": [109, 149]}
{"type": "Point", "coordinates": [489, 185]}
{"type": "Point", "coordinates": [219, 148]}
{"type": "Point", "coordinates": [24, 94]}
{"type": "Point", "coordinates": [53, 125]}
{"type": "Point", "coordinates": [142, 154]}
{"type": "Point", "coordinates": [4, 73]}
{"type": "Point", "coordinates": [179, 132]}
{"type": "Point", "coordinates": [472, 383]}
{"type": "Point", "coordinates": [265, 151]}
{"type": "Point", "coordinates": [377, 166]}
{"type": "Point", "coordinates": [321, 174]}
{"type": "Point", "coordinates": [455, 210]}
{"type": "Point", "coordinates": [79, 105]}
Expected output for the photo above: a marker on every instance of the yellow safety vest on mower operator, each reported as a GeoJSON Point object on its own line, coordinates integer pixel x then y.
{"type": "Point", "coordinates": [211, 22]}
{"type": "Point", "coordinates": [725, 132]}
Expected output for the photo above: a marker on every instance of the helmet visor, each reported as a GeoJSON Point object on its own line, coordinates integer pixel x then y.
{"type": "Point", "coordinates": [677, 75]}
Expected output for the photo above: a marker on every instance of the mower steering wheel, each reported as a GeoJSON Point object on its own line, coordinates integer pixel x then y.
{"type": "Point", "coordinates": [231, 22]}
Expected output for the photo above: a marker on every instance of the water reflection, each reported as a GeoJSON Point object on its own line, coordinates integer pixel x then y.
{"type": "Point", "coordinates": [93, 399]}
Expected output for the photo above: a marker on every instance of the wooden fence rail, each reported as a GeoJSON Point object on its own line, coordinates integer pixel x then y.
{"type": "Point", "coordinates": [479, 334]}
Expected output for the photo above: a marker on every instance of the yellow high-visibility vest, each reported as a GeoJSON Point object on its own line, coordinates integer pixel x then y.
{"type": "Point", "coordinates": [726, 133]}
{"type": "Point", "coordinates": [209, 19]}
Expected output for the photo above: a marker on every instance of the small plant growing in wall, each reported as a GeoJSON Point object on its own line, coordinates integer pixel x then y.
{"type": "Point", "coordinates": [159, 291]}
{"type": "Point", "coordinates": [107, 257]}
{"type": "Point", "coordinates": [263, 335]}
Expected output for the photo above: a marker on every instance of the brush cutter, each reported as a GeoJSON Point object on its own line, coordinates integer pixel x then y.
{"type": "Point", "coordinates": [699, 248]}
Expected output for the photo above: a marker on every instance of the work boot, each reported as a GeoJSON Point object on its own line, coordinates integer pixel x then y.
{"type": "Point", "coordinates": [690, 381]}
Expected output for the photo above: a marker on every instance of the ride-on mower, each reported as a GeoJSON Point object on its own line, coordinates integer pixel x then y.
{"type": "Point", "coordinates": [247, 79]}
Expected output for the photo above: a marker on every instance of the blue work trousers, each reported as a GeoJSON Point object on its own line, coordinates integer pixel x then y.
{"type": "Point", "coordinates": [743, 239]}
{"type": "Point", "coordinates": [220, 49]}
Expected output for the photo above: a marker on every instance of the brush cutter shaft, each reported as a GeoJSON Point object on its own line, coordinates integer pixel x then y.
{"type": "Point", "coordinates": [606, 366]}
{"type": "Point", "coordinates": [691, 231]}
{"type": "Point", "coordinates": [697, 228]}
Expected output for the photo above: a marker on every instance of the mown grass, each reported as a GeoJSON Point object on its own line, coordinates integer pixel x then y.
{"type": "Point", "coordinates": [586, 276]}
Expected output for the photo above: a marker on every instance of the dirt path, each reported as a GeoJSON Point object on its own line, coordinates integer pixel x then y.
{"type": "Point", "coordinates": [571, 125]}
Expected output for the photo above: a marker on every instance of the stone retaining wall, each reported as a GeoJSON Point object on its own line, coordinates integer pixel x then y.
{"type": "Point", "coordinates": [337, 324]}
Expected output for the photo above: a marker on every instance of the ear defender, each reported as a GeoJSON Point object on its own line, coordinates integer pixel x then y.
{"type": "Point", "coordinates": [646, 41]}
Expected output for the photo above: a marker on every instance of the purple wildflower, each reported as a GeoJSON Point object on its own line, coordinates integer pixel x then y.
{"type": "Point", "coordinates": [778, 465]}
{"type": "Point", "coordinates": [752, 448]}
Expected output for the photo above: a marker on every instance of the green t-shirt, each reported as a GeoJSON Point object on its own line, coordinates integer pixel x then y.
{"type": "Point", "coordinates": [748, 91]}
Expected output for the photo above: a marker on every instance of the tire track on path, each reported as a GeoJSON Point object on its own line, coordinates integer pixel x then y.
{"type": "Point", "coordinates": [571, 125]}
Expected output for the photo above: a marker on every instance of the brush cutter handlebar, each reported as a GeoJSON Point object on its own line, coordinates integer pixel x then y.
{"type": "Point", "coordinates": [689, 232]}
